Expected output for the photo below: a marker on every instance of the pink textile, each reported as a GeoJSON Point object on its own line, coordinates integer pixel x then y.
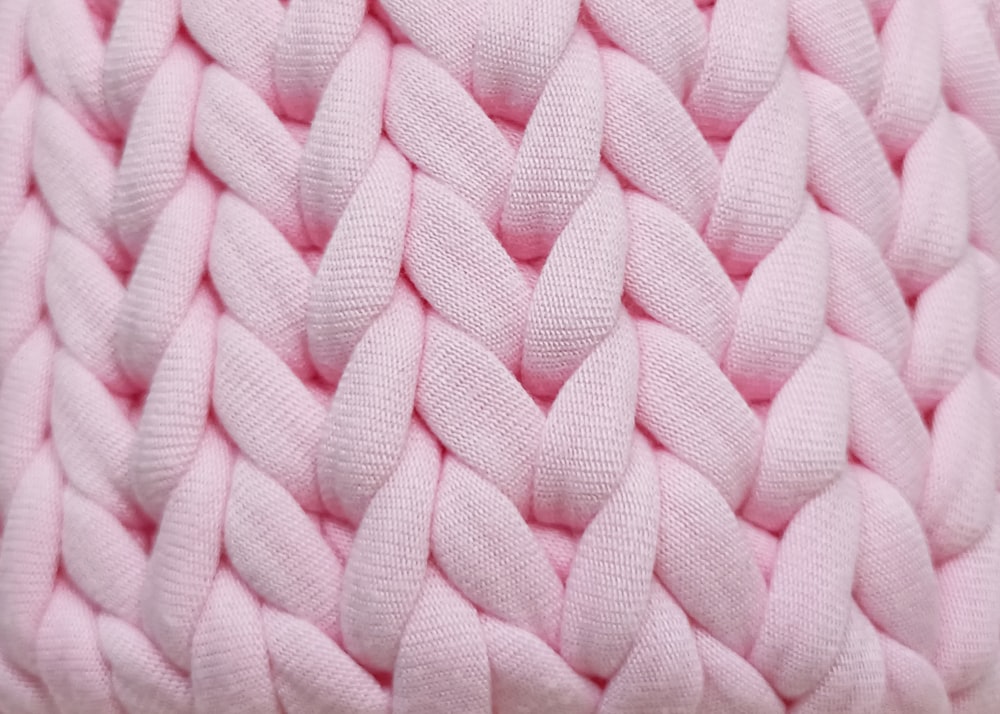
{"type": "Point", "coordinates": [499, 356]}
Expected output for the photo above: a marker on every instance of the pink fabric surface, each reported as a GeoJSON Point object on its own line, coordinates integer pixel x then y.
{"type": "Point", "coordinates": [513, 356]}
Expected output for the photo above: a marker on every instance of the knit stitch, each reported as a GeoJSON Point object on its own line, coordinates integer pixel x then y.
{"type": "Point", "coordinates": [513, 356]}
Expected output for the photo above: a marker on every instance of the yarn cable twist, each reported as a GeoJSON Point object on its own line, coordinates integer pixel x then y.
{"type": "Point", "coordinates": [500, 356]}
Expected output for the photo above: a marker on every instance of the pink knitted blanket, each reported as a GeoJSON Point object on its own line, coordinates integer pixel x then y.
{"type": "Point", "coordinates": [499, 356]}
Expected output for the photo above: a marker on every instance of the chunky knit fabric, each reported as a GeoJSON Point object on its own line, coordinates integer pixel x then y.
{"type": "Point", "coordinates": [514, 356]}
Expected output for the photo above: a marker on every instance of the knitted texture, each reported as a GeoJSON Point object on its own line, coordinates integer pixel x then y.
{"type": "Point", "coordinates": [513, 356]}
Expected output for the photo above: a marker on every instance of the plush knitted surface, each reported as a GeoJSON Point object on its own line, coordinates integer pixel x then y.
{"type": "Point", "coordinates": [499, 356]}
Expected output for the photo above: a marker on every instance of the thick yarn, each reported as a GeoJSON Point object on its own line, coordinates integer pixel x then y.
{"type": "Point", "coordinates": [514, 356]}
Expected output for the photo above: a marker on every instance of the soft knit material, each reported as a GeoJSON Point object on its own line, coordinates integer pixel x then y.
{"type": "Point", "coordinates": [513, 356]}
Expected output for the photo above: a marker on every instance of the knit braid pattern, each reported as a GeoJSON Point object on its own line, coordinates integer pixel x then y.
{"type": "Point", "coordinates": [499, 356]}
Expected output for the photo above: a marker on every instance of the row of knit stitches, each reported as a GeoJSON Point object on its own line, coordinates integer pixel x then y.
{"type": "Point", "coordinates": [496, 355]}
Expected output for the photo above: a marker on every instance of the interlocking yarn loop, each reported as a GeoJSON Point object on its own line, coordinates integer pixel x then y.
{"type": "Point", "coordinates": [499, 356]}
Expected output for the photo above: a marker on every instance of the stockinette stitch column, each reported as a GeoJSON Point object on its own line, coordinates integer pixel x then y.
{"type": "Point", "coordinates": [499, 356]}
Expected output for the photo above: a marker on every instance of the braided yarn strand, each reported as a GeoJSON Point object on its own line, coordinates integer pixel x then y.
{"type": "Point", "coordinates": [499, 356]}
